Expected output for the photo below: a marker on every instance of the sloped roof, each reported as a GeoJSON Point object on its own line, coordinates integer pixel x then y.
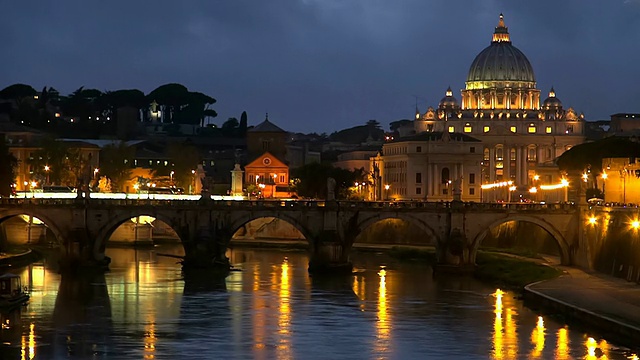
{"type": "Point", "coordinates": [266, 126]}
{"type": "Point", "coordinates": [7, 127]}
{"type": "Point", "coordinates": [101, 143]}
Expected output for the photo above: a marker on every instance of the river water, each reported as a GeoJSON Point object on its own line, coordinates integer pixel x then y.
{"type": "Point", "coordinates": [272, 309]}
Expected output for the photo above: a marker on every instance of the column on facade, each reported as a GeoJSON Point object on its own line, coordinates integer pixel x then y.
{"type": "Point", "coordinates": [436, 183]}
{"type": "Point", "coordinates": [525, 170]}
{"type": "Point", "coordinates": [518, 165]}
{"type": "Point", "coordinates": [492, 163]}
{"type": "Point", "coordinates": [507, 162]}
{"type": "Point", "coordinates": [540, 157]}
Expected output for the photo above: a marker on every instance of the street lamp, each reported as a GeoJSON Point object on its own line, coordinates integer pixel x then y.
{"type": "Point", "coordinates": [46, 170]}
{"type": "Point", "coordinates": [604, 183]}
{"type": "Point", "coordinates": [171, 176]}
{"type": "Point", "coordinates": [273, 190]}
{"type": "Point", "coordinates": [386, 191]}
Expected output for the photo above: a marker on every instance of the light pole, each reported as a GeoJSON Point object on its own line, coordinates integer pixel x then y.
{"type": "Point", "coordinates": [386, 192]}
{"type": "Point", "coordinates": [46, 170]}
{"type": "Point", "coordinates": [273, 190]}
{"type": "Point", "coordinates": [192, 186]}
{"type": "Point", "coordinates": [171, 177]}
{"type": "Point", "coordinates": [604, 184]}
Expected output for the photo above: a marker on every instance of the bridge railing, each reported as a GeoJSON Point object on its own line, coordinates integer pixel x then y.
{"type": "Point", "coordinates": [297, 204]}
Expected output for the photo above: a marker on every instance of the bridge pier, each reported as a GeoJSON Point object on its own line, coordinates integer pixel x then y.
{"type": "Point", "coordinates": [453, 251]}
{"type": "Point", "coordinates": [206, 250]}
{"type": "Point", "coordinates": [78, 253]}
{"type": "Point", "coordinates": [328, 255]}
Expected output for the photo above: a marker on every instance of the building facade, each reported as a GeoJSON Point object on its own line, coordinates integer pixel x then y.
{"type": "Point", "coordinates": [519, 137]}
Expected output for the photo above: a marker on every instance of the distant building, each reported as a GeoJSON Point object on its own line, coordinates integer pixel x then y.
{"type": "Point", "coordinates": [269, 175]}
{"type": "Point", "coordinates": [624, 124]}
{"type": "Point", "coordinates": [518, 136]}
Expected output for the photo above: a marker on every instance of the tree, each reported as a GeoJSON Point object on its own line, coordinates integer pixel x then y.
{"type": "Point", "coordinates": [185, 158]}
{"type": "Point", "coordinates": [230, 127]}
{"type": "Point", "coordinates": [115, 163]}
{"type": "Point", "coordinates": [22, 96]}
{"type": "Point", "coordinates": [8, 163]}
{"type": "Point", "coordinates": [50, 163]}
{"type": "Point", "coordinates": [311, 180]}
{"type": "Point", "coordinates": [395, 125]}
{"type": "Point", "coordinates": [242, 127]}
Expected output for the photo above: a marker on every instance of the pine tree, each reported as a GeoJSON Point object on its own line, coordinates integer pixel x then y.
{"type": "Point", "coordinates": [8, 163]}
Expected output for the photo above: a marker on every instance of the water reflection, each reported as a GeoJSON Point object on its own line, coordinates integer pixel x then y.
{"type": "Point", "coordinates": [537, 339]}
{"type": "Point", "coordinates": [383, 325]}
{"type": "Point", "coordinates": [284, 319]}
{"type": "Point", "coordinates": [271, 308]}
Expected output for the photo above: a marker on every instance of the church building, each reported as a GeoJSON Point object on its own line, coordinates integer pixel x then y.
{"type": "Point", "coordinates": [499, 140]}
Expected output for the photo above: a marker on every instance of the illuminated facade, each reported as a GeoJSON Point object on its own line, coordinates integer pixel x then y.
{"type": "Point", "coordinates": [519, 136]}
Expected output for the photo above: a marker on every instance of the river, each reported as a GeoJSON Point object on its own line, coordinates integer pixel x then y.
{"type": "Point", "coordinates": [271, 309]}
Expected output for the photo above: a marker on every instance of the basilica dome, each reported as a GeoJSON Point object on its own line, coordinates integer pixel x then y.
{"type": "Point", "coordinates": [448, 101]}
{"type": "Point", "coordinates": [501, 61]}
{"type": "Point", "coordinates": [552, 102]}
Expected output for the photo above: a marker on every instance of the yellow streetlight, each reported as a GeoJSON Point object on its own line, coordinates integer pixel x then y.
{"type": "Point", "coordinates": [536, 177]}
{"type": "Point", "coordinates": [386, 190]}
{"type": "Point", "coordinates": [46, 170]}
{"type": "Point", "coordinates": [593, 220]}
{"type": "Point", "coordinates": [585, 177]}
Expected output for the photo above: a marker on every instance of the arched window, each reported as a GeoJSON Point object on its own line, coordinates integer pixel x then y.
{"type": "Point", "coordinates": [445, 175]}
{"type": "Point", "coordinates": [512, 156]}
{"type": "Point", "coordinates": [499, 153]}
{"type": "Point", "coordinates": [486, 154]}
{"type": "Point", "coordinates": [531, 154]}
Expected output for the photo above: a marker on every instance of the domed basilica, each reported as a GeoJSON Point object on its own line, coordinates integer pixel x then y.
{"type": "Point", "coordinates": [496, 140]}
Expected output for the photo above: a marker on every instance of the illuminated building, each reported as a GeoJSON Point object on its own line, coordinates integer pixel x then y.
{"type": "Point", "coordinates": [518, 137]}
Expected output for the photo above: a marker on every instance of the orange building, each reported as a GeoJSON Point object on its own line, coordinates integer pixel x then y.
{"type": "Point", "coordinates": [270, 176]}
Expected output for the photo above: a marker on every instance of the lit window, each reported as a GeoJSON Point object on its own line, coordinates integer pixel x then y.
{"type": "Point", "coordinates": [548, 130]}
{"type": "Point", "coordinates": [486, 129]}
{"type": "Point", "coordinates": [532, 129]}
{"type": "Point", "coordinates": [513, 129]}
{"type": "Point", "coordinates": [467, 128]}
{"type": "Point", "coordinates": [452, 129]}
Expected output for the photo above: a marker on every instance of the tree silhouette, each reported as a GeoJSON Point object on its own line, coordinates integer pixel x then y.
{"type": "Point", "coordinates": [8, 164]}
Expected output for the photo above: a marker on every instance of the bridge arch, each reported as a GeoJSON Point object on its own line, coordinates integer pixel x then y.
{"type": "Point", "coordinates": [105, 232]}
{"type": "Point", "coordinates": [48, 221]}
{"type": "Point", "coordinates": [239, 222]}
{"type": "Point", "coordinates": [372, 219]}
{"type": "Point", "coordinates": [560, 240]}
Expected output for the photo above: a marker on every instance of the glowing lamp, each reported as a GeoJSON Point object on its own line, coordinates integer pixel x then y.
{"type": "Point", "coordinates": [593, 220]}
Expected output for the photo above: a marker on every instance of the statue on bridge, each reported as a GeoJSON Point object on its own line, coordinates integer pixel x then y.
{"type": "Point", "coordinates": [331, 189]}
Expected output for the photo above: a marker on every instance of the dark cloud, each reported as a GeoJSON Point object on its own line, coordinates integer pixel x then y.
{"type": "Point", "coordinates": [321, 65]}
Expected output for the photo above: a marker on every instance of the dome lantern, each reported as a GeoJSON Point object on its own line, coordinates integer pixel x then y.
{"type": "Point", "coordinates": [501, 34]}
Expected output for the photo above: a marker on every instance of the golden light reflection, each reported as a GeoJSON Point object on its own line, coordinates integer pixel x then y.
{"type": "Point", "coordinates": [284, 319]}
{"type": "Point", "coordinates": [150, 340]}
{"type": "Point", "coordinates": [358, 287]}
{"type": "Point", "coordinates": [259, 317]}
{"type": "Point", "coordinates": [537, 338]}
{"type": "Point", "coordinates": [498, 343]}
{"type": "Point", "coordinates": [591, 348]}
{"type": "Point", "coordinates": [562, 346]}
{"type": "Point", "coordinates": [505, 334]}
{"type": "Point", "coordinates": [596, 350]}
{"type": "Point", "coordinates": [383, 326]}
{"type": "Point", "coordinates": [29, 345]}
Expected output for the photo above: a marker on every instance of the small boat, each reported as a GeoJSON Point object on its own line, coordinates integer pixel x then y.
{"type": "Point", "coordinates": [12, 293]}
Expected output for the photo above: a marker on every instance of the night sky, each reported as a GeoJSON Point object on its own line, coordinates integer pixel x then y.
{"type": "Point", "coordinates": [321, 65]}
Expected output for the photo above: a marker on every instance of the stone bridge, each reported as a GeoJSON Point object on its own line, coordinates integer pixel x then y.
{"type": "Point", "coordinates": [205, 228]}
